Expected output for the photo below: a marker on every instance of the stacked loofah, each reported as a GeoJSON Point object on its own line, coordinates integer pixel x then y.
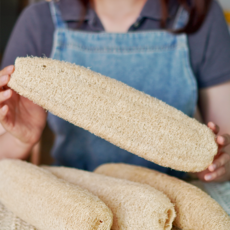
{"type": "Point", "coordinates": [48, 203]}
{"type": "Point", "coordinates": [8, 221]}
{"type": "Point", "coordinates": [38, 197]}
{"type": "Point", "coordinates": [116, 112]}
{"type": "Point", "coordinates": [135, 206]}
{"type": "Point", "coordinates": [195, 209]}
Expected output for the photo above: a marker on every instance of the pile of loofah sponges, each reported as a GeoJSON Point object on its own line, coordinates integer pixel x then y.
{"type": "Point", "coordinates": [124, 198]}
{"type": "Point", "coordinates": [47, 202]}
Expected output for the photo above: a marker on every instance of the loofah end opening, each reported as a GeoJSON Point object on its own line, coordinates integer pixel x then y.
{"type": "Point", "coordinates": [168, 222]}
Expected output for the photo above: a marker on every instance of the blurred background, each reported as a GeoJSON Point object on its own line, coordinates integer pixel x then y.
{"type": "Point", "coordinates": [9, 12]}
{"type": "Point", "coordinates": [226, 7]}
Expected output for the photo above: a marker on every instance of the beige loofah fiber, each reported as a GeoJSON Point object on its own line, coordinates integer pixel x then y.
{"type": "Point", "coordinates": [8, 221]}
{"type": "Point", "coordinates": [195, 209]}
{"type": "Point", "coordinates": [135, 206]}
{"type": "Point", "coordinates": [48, 203]}
{"type": "Point", "coordinates": [116, 112]}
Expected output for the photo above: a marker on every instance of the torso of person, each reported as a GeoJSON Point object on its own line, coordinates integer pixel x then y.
{"type": "Point", "coordinates": [154, 62]}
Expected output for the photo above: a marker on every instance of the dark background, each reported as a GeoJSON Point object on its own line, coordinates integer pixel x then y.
{"type": "Point", "coordinates": [9, 12]}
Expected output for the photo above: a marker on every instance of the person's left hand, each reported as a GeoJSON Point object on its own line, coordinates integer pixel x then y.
{"type": "Point", "coordinates": [219, 170]}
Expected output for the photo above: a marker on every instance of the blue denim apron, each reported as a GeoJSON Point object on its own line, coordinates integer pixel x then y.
{"type": "Point", "coordinates": [155, 62]}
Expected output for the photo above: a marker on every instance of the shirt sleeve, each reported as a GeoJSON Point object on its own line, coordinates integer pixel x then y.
{"type": "Point", "coordinates": [32, 34]}
{"type": "Point", "coordinates": [212, 67]}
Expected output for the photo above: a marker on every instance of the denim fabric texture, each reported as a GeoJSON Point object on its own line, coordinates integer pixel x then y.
{"type": "Point", "coordinates": [155, 62]}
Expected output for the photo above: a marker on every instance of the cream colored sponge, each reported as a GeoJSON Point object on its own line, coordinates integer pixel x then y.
{"type": "Point", "coordinates": [122, 115]}
{"type": "Point", "coordinates": [135, 206]}
{"type": "Point", "coordinates": [8, 221]}
{"type": "Point", "coordinates": [195, 209]}
{"type": "Point", "coordinates": [48, 203]}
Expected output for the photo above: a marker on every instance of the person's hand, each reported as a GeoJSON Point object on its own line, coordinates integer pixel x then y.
{"type": "Point", "coordinates": [19, 116]}
{"type": "Point", "coordinates": [219, 170]}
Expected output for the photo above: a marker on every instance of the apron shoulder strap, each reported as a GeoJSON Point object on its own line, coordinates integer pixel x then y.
{"type": "Point", "coordinates": [56, 15]}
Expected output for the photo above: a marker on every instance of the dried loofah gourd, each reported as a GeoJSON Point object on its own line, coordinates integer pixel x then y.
{"type": "Point", "coordinates": [8, 221]}
{"type": "Point", "coordinates": [135, 206]}
{"type": "Point", "coordinates": [195, 209]}
{"type": "Point", "coordinates": [48, 203]}
{"type": "Point", "coordinates": [120, 114]}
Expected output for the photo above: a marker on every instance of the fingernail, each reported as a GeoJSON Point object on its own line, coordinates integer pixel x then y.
{"type": "Point", "coordinates": [3, 108]}
{"type": "Point", "coordinates": [4, 78]}
{"type": "Point", "coordinates": [221, 138]}
{"type": "Point", "coordinates": [10, 68]}
{"type": "Point", "coordinates": [6, 93]}
{"type": "Point", "coordinates": [208, 177]}
{"type": "Point", "coordinates": [212, 167]}
{"type": "Point", "coordinates": [212, 124]}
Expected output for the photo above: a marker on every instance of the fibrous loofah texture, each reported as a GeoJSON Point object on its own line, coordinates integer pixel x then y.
{"type": "Point", "coordinates": [48, 203]}
{"type": "Point", "coordinates": [116, 112]}
{"type": "Point", "coordinates": [8, 221]}
{"type": "Point", "coordinates": [195, 209]}
{"type": "Point", "coordinates": [135, 206]}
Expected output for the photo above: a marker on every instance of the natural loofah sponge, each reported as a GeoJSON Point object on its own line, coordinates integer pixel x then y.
{"type": "Point", "coordinates": [195, 209]}
{"type": "Point", "coordinates": [8, 221]}
{"type": "Point", "coordinates": [120, 114]}
{"type": "Point", "coordinates": [135, 206]}
{"type": "Point", "coordinates": [48, 203]}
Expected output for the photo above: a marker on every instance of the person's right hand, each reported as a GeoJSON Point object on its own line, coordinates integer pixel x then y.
{"type": "Point", "coordinates": [19, 116]}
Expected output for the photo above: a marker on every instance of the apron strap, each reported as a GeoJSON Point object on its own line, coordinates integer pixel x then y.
{"type": "Point", "coordinates": [56, 15]}
{"type": "Point", "coordinates": [181, 18]}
